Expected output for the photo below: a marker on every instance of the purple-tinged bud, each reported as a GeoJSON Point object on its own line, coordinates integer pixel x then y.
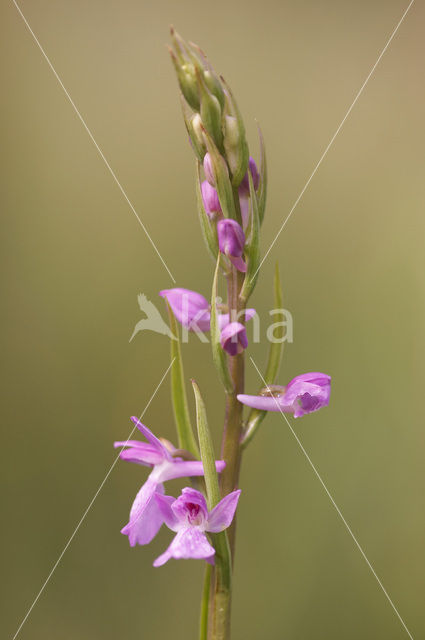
{"type": "Point", "coordinates": [196, 131]}
{"type": "Point", "coordinates": [210, 199]}
{"type": "Point", "coordinates": [233, 338]}
{"type": "Point", "coordinates": [231, 241]}
{"type": "Point", "coordinates": [210, 172]}
{"type": "Point", "coordinates": [244, 185]}
{"type": "Point", "coordinates": [208, 169]}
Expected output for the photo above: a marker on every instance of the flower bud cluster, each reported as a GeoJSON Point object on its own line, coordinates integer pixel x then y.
{"type": "Point", "coordinates": [209, 108]}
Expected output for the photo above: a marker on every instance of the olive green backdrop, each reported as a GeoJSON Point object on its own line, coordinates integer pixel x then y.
{"type": "Point", "coordinates": [74, 259]}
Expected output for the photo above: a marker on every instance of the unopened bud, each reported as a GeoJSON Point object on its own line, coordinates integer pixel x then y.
{"type": "Point", "coordinates": [194, 128]}
{"type": "Point", "coordinates": [210, 199]}
{"type": "Point", "coordinates": [208, 169]}
{"type": "Point", "coordinates": [244, 185]}
{"type": "Point", "coordinates": [185, 70]}
{"type": "Point", "coordinates": [212, 171]}
{"type": "Point", "coordinates": [231, 242]}
{"type": "Point", "coordinates": [236, 148]}
{"type": "Point", "coordinates": [210, 111]}
{"type": "Point", "coordinates": [217, 173]}
{"type": "Point", "coordinates": [210, 77]}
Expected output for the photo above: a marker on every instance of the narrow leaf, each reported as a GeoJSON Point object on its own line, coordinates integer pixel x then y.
{"type": "Point", "coordinates": [208, 231]}
{"type": "Point", "coordinates": [256, 416]}
{"type": "Point", "coordinates": [207, 450]}
{"type": "Point", "coordinates": [252, 248]}
{"type": "Point", "coordinates": [186, 437]}
{"type": "Point", "coordinates": [277, 345]}
{"type": "Point", "coordinates": [262, 189]}
{"type": "Point", "coordinates": [219, 356]}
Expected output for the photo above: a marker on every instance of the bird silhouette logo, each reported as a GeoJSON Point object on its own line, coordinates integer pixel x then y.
{"type": "Point", "coordinates": [153, 320]}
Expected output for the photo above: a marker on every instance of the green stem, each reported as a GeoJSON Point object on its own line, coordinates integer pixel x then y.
{"type": "Point", "coordinates": [224, 543]}
{"type": "Point", "coordinates": [203, 623]}
{"type": "Point", "coordinates": [219, 625]}
{"type": "Point", "coordinates": [231, 449]}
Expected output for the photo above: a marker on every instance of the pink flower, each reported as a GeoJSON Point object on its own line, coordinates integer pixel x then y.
{"type": "Point", "coordinates": [188, 516]}
{"type": "Point", "coordinates": [145, 516]}
{"type": "Point", "coordinates": [192, 310]}
{"type": "Point", "coordinates": [306, 393]}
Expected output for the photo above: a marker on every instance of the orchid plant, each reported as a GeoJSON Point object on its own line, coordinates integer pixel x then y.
{"type": "Point", "coordinates": [231, 194]}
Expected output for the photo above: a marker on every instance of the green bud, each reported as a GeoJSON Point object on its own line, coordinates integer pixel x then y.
{"type": "Point", "coordinates": [187, 80]}
{"type": "Point", "coordinates": [210, 111]}
{"type": "Point", "coordinates": [196, 135]}
{"type": "Point", "coordinates": [236, 149]}
{"type": "Point", "coordinates": [210, 77]}
{"type": "Point", "coordinates": [180, 47]}
{"type": "Point", "coordinates": [193, 124]}
{"type": "Point", "coordinates": [235, 144]}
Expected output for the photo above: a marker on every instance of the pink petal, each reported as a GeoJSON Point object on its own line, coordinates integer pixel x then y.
{"type": "Point", "coordinates": [190, 308]}
{"type": "Point", "coordinates": [183, 469]}
{"type": "Point", "coordinates": [222, 515]}
{"type": "Point", "coordinates": [169, 517]}
{"type": "Point", "coordinates": [142, 453]}
{"type": "Point", "coordinates": [188, 543]}
{"type": "Point", "coordinates": [150, 437]}
{"type": "Point", "coordinates": [145, 516]}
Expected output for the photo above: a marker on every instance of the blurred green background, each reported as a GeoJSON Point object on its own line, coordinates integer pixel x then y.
{"type": "Point", "coordinates": [74, 259]}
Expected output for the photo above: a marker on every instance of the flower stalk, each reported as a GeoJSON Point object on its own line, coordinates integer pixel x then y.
{"type": "Point", "coordinates": [231, 199]}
